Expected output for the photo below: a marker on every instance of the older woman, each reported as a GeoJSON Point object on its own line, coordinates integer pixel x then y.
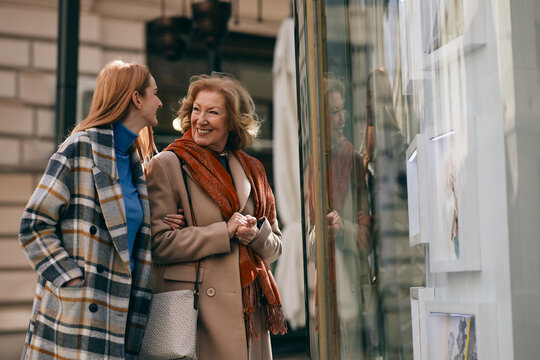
{"type": "Point", "coordinates": [236, 233]}
{"type": "Point", "coordinates": [86, 227]}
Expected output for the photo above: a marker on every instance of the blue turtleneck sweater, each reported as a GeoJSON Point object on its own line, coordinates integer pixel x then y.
{"type": "Point", "coordinates": [123, 139]}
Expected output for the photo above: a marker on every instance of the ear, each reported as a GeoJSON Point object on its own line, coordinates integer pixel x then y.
{"type": "Point", "coordinates": [136, 99]}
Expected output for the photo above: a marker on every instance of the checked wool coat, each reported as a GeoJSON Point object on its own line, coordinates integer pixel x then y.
{"type": "Point", "coordinates": [75, 226]}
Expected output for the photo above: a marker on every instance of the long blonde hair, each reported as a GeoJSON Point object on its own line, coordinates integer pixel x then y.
{"type": "Point", "coordinates": [239, 103]}
{"type": "Point", "coordinates": [112, 97]}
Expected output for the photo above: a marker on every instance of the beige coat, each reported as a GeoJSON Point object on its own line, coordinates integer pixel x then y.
{"type": "Point", "coordinates": [221, 331]}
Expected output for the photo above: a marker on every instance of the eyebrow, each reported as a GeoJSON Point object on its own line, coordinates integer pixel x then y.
{"type": "Point", "coordinates": [210, 107]}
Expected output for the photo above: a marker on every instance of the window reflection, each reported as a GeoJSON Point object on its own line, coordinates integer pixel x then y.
{"type": "Point", "coordinates": [355, 185]}
{"type": "Point", "coordinates": [349, 225]}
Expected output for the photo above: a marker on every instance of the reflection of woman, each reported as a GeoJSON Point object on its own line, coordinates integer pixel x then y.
{"type": "Point", "coordinates": [349, 224]}
{"type": "Point", "coordinates": [86, 228]}
{"type": "Point", "coordinates": [237, 233]}
{"type": "Point", "coordinates": [345, 179]}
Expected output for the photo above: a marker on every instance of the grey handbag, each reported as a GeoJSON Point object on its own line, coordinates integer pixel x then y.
{"type": "Point", "coordinates": [171, 332]}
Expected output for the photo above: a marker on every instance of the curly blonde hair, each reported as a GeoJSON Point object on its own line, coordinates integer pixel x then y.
{"type": "Point", "coordinates": [239, 105]}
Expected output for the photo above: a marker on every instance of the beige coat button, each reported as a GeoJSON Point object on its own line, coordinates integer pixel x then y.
{"type": "Point", "coordinates": [211, 292]}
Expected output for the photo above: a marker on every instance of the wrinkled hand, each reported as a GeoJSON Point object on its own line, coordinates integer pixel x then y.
{"type": "Point", "coordinates": [335, 222]}
{"type": "Point", "coordinates": [175, 221]}
{"type": "Point", "coordinates": [234, 222]}
{"type": "Point", "coordinates": [246, 233]}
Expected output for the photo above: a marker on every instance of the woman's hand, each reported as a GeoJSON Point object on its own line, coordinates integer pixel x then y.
{"type": "Point", "coordinates": [335, 222]}
{"type": "Point", "coordinates": [175, 221]}
{"type": "Point", "coordinates": [246, 233]}
{"type": "Point", "coordinates": [73, 282]}
{"type": "Point", "coordinates": [234, 222]}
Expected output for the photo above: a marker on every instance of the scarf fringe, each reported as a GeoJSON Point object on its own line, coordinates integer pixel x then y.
{"type": "Point", "coordinates": [276, 319]}
{"type": "Point", "coordinates": [251, 299]}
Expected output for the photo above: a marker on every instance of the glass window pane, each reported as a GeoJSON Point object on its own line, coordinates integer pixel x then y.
{"type": "Point", "coordinates": [355, 191]}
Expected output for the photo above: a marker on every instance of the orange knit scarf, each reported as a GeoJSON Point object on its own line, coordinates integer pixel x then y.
{"type": "Point", "coordinates": [258, 286]}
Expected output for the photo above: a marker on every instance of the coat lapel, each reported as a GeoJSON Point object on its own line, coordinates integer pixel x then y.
{"type": "Point", "coordinates": [109, 190]}
{"type": "Point", "coordinates": [241, 182]}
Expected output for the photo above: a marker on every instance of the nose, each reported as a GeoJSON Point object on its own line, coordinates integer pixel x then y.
{"type": "Point", "coordinates": [202, 118]}
{"type": "Point", "coordinates": [160, 104]}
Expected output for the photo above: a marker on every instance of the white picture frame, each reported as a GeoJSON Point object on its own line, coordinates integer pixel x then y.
{"type": "Point", "coordinates": [416, 156]}
{"type": "Point", "coordinates": [454, 329]}
{"type": "Point", "coordinates": [451, 28]}
{"type": "Point", "coordinates": [419, 296]}
{"type": "Point", "coordinates": [452, 216]}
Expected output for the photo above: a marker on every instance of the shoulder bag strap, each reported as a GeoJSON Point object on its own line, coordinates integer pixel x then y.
{"type": "Point", "coordinates": [194, 222]}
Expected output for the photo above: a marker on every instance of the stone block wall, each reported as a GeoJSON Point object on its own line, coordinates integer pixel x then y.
{"type": "Point", "coordinates": [28, 59]}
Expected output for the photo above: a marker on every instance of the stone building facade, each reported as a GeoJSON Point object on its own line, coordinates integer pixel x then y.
{"type": "Point", "coordinates": [28, 58]}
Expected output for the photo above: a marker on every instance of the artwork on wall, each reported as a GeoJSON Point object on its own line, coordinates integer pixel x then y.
{"type": "Point", "coordinates": [450, 29]}
{"type": "Point", "coordinates": [447, 25]}
{"type": "Point", "coordinates": [446, 197]}
{"type": "Point", "coordinates": [442, 183]}
{"type": "Point", "coordinates": [455, 331]}
{"type": "Point", "coordinates": [453, 336]}
{"type": "Point", "coordinates": [452, 201]}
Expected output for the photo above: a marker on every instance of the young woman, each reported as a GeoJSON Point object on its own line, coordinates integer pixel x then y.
{"type": "Point", "coordinates": [86, 227]}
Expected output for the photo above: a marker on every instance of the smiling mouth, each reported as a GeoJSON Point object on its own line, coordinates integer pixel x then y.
{"type": "Point", "coordinates": [202, 131]}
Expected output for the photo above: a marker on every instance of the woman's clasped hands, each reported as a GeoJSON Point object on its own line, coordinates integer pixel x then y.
{"type": "Point", "coordinates": [243, 227]}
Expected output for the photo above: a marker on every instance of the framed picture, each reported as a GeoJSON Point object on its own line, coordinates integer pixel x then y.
{"type": "Point", "coordinates": [451, 28]}
{"type": "Point", "coordinates": [460, 331]}
{"type": "Point", "coordinates": [451, 183]}
{"type": "Point", "coordinates": [417, 200]}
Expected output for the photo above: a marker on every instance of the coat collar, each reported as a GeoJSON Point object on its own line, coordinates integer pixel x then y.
{"type": "Point", "coordinates": [102, 140]}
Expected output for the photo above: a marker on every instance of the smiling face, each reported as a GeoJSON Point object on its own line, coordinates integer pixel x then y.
{"type": "Point", "coordinates": [337, 115]}
{"type": "Point", "coordinates": [209, 120]}
{"type": "Point", "coordinates": [150, 104]}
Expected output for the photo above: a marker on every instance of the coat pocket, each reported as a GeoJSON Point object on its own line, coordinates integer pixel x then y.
{"type": "Point", "coordinates": [71, 305]}
{"type": "Point", "coordinates": [183, 272]}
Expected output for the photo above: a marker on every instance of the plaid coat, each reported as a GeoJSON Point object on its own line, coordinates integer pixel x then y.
{"type": "Point", "coordinates": [75, 226]}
